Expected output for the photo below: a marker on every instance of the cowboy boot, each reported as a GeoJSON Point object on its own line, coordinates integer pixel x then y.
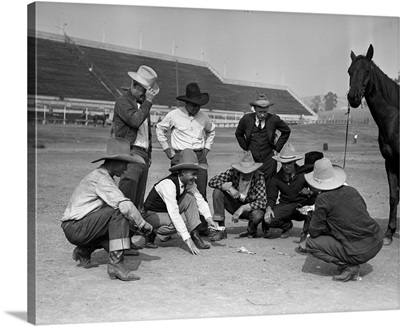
{"type": "Point", "coordinates": [197, 240]}
{"type": "Point", "coordinates": [350, 272]}
{"type": "Point", "coordinates": [132, 251]}
{"type": "Point", "coordinates": [217, 235]}
{"type": "Point", "coordinates": [149, 241]}
{"type": "Point", "coordinates": [117, 269]}
{"type": "Point", "coordinates": [83, 255]}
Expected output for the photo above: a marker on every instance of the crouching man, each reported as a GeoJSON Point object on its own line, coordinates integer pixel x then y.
{"type": "Point", "coordinates": [341, 231]}
{"type": "Point", "coordinates": [175, 195]}
{"type": "Point", "coordinates": [99, 216]}
{"type": "Point", "coordinates": [241, 191]}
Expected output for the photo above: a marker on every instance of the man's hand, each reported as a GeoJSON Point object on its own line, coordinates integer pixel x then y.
{"type": "Point", "coordinates": [146, 229]}
{"type": "Point", "coordinates": [169, 152]}
{"type": "Point", "coordinates": [235, 216]}
{"type": "Point", "coordinates": [195, 251]}
{"type": "Point", "coordinates": [226, 186]}
{"type": "Point", "coordinates": [269, 215]}
{"type": "Point", "coordinates": [306, 192]}
{"type": "Point", "coordinates": [211, 223]}
{"type": "Point", "coordinates": [151, 93]}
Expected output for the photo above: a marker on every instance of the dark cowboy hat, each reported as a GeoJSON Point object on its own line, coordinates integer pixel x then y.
{"type": "Point", "coordinates": [119, 149]}
{"type": "Point", "coordinates": [309, 159]}
{"type": "Point", "coordinates": [194, 96]}
{"type": "Point", "coordinates": [261, 101]}
{"type": "Point", "coordinates": [187, 161]}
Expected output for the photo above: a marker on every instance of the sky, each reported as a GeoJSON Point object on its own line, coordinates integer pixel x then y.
{"type": "Point", "coordinates": [305, 51]}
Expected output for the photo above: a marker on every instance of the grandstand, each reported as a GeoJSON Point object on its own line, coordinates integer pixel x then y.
{"type": "Point", "coordinates": [67, 77]}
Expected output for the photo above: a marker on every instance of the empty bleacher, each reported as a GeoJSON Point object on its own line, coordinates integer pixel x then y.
{"type": "Point", "coordinates": [54, 70]}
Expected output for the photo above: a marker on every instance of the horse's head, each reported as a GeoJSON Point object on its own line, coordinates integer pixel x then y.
{"type": "Point", "coordinates": [360, 74]}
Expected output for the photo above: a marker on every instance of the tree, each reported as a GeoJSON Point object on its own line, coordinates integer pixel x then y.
{"type": "Point", "coordinates": [330, 101]}
{"type": "Point", "coordinates": [397, 80]}
{"type": "Point", "coordinates": [316, 103]}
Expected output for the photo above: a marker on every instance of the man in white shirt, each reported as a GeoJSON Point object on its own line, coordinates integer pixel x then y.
{"type": "Point", "coordinates": [190, 128]}
{"type": "Point", "coordinates": [175, 195]}
{"type": "Point", "coordinates": [98, 215]}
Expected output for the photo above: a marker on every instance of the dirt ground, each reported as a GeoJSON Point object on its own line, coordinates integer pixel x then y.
{"type": "Point", "coordinates": [221, 282]}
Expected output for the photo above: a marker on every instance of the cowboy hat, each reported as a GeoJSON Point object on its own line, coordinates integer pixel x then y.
{"type": "Point", "coordinates": [261, 101]}
{"type": "Point", "coordinates": [187, 161]}
{"type": "Point", "coordinates": [326, 176]}
{"type": "Point", "coordinates": [287, 154]}
{"type": "Point", "coordinates": [247, 164]}
{"type": "Point", "coordinates": [309, 159]}
{"type": "Point", "coordinates": [146, 77]}
{"type": "Point", "coordinates": [119, 149]}
{"type": "Point", "coordinates": [194, 96]}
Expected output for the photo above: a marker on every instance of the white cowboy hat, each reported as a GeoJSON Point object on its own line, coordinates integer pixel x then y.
{"type": "Point", "coordinates": [119, 149]}
{"type": "Point", "coordinates": [287, 154]}
{"type": "Point", "coordinates": [261, 101]}
{"type": "Point", "coordinates": [146, 77]}
{"type": "Point", "coordinates": [187, 161]}
{"type": "Point", "coordinates": [247, 164]}
{"type": "Point", "coordinates": [326, 176]}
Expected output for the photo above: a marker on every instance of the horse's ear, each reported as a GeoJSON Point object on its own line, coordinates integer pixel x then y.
{"type": "Point", "coordinates": [370, 52]}
{"type": "Point", "coordinates": [352, 56]}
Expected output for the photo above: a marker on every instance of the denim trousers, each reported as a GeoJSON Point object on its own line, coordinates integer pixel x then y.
{"type": "Point", "coordinates": [223, 201]}
{"type": "Point", "coordinates": [105, 228]}
{"type": "Point", "coordinates": [133, 181]}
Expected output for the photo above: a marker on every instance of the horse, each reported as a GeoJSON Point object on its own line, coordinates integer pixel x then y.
{"type": "Point", "coordinates": [97, 118]}
{"type": "Point", "coordinates": [382, 96]}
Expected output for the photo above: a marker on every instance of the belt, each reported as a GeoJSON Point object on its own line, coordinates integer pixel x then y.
{"type": "Point", "coordinates": [139, 148]}
{"type": "Point", "coordinates": [194, 150]}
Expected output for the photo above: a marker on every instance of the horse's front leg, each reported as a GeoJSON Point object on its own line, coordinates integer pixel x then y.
{"type": "Point", "coordinates": [393, 178]}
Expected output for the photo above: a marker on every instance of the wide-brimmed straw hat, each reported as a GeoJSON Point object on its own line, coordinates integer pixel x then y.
{"type": "Point", "coordinates": [119, 149]}
{"type": "Point", "coordinates": [261, 101]}
{"type": "Point", "coordinates": [326, 176]}
{"type": "Point", "coordinates": [287, 154]}
{"type": "Point", "coordinates": [146, 77]}
{"type": "Point", "coordinates": [188, 161]}
{"type": "Point", "coordinates": [194, 96]}
{"type": "Point", "coordinates": [246, 164]}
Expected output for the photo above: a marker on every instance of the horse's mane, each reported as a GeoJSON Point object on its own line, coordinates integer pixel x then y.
{"type": "Point", "coordinates": [389, 88]}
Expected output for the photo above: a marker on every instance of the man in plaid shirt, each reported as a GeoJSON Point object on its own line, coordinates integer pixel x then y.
{"type": "Point", "coordinates": [241, 191]}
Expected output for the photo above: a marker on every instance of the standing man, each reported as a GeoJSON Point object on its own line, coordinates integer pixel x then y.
{"type": "Point", "coordinates": [132, 122]}
{"type": "Point", "coordinates": [98, 215]}
{"type": "Point", "coordinates": [256, 133]}
{"type": "Point", "coordinates": [190, 128]}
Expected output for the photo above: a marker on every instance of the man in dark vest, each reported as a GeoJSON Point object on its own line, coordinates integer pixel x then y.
{"type": "Point", "coordinates": [175, 195]}
{"type": "Point", "coordinates": [256, 132]}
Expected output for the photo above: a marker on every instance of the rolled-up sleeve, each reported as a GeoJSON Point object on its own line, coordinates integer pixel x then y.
{"type": "Point", "coordinates": [167, 191]}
